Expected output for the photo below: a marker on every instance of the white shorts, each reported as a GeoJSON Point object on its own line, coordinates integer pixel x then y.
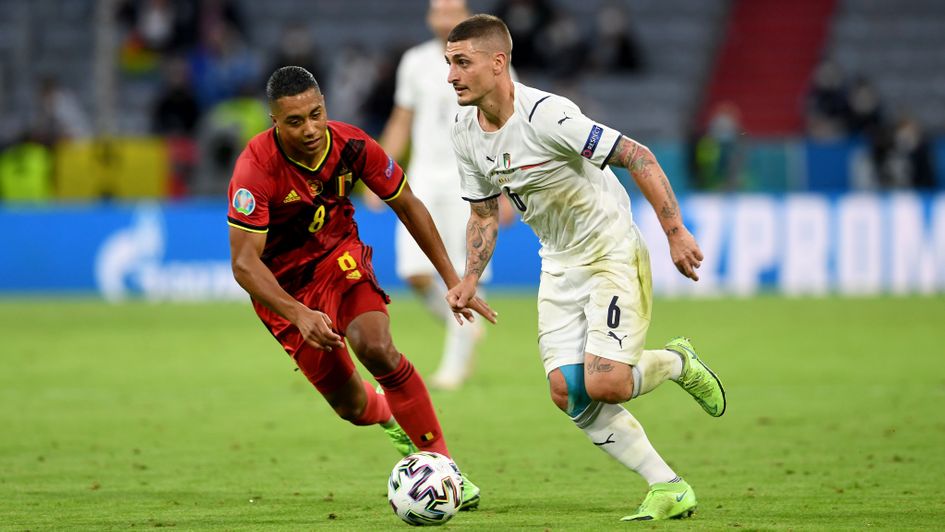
{"type": "Point", "coordinates": [603, 309]}
{"type": "Point", "coordinates": [450, 216]}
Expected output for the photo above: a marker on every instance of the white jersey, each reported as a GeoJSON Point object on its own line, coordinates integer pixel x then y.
{"type": "Point", "coordinates": [422, 88]}
{"type": "Point", "coordinates": [550, 160]}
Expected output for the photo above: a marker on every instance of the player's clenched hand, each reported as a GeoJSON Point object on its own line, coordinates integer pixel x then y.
{"type": "Point", "coordinates": [685, 253]}
{"type": "Point", "coordinates": [462, 298]}
{"type": "Point", "coordinates": [315, 327]}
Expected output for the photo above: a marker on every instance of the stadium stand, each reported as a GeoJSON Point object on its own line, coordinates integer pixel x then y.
{"type": "Point", "coordinates": [900, 46]}
{"type": "Point", "coordinates": [771, 47]}
{"type": "Point", "coordinates": [687, 47]}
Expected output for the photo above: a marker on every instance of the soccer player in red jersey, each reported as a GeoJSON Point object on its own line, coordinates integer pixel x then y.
{"type": "Point", "coordinates": [295, 249]}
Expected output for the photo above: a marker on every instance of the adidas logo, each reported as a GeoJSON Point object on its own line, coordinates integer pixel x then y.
{"type": "Point", "coordinates": [292, 196]}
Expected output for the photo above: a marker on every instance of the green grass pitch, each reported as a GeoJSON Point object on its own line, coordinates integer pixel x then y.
{"type": "Point", "coordinates": [144, 416]}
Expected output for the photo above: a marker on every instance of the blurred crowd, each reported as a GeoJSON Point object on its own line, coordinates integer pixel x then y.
{"type": "Point", "coordinates": [898, 151]}
{"type": "Point", "coordinates": [205, 77]}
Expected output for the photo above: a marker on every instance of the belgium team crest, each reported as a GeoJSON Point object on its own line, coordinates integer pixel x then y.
{"type": "Point", "coordinates": [315, 187]}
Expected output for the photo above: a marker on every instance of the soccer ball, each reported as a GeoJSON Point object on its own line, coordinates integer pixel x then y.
{"type": "Point", "coordinates": [425, 488]}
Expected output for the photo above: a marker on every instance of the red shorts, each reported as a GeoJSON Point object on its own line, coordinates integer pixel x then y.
{"type": "Point", "coordinates": [342, 286]}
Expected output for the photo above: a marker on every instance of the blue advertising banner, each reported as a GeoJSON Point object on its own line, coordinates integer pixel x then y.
{"type": "Point", "coordinates": [795, 244]}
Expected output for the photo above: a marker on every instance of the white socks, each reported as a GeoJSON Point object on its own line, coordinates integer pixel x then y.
{"type": "Point", "coordinates": [460, 342]}
{"type": "Point", "coordinates": [620, 435]}
{"type": "Point", "coordinates": [434, 299]}
{"type": "Point", "coordinates": [459, 346]}
{"type": "Point", "coordinates": [655, 367]}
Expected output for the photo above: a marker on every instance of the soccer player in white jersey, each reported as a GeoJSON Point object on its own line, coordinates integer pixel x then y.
{"type": "Point", "coordinates": [594, 301]}
{"type": "Point", "coordinates": [423, 112]}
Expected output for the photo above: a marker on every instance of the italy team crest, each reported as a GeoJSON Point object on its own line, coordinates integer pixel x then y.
{"type": "Point", "coordinates": [244, 202]}
{"type": "Point", "coordinates": [506, 160]}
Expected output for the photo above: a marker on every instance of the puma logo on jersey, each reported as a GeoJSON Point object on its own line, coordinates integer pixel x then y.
{"type": "Point", "coordinates": [614, 336]}
{"type": "Point", "coordinates": [566, 117]}
{"type": "Point", "coordinates": [490, 159]}
{"type": "Point", "coordinates": [292, 196]}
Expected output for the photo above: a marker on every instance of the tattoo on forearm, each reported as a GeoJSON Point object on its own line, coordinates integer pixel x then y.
{"type": "Point", "coordinates": [629, 155]}
{"type": "Point", "coordinates": [643, 167]}
{"type": "Point", "coordinates": [599, 365]}
{"type": "Point", "coordinates": [481, 233]}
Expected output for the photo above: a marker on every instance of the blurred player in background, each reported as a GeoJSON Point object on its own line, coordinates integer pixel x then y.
{"type": "Point", "coordinates": [295, 249]}
{"type": "Point", "coordinates": [424, 108]}
{"type": "Point", "coordinates": [594, 299]}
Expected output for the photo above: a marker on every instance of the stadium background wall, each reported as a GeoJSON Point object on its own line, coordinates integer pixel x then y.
{"type": "Point", "coordinates": [795, 244]}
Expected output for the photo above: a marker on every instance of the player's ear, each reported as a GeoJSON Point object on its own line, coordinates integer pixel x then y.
{"type": "Point", "coordinates": [273, 118]}
{"type": "Point", "coordinates": [499, 61]}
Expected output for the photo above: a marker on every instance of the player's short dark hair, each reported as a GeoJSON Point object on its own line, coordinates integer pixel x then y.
{"type": "Point", "coordinates": [289, 81]}
{"type": "Point", "coordinates": [482, 27]}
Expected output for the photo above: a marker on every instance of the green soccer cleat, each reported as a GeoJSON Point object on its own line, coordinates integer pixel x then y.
{"type": "Point", "coordinates": [400, 440]}
{"type": "Point", "coordinates": [697, 379]}
{"type": "Point", "coordinates": [667, 500]}
{"type": "Point", "coordinates": [470, 495]}
{"type": "Point", "coordinates": [397, 435]}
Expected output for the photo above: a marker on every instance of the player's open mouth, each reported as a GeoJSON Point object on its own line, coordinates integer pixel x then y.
{"type": "Point", "coordinates": [310, 144]}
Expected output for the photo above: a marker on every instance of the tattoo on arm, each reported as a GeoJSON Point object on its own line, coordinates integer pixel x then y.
{"type": "Point", "coordinates": [642, 166]}
{"type": "Point", "coordinates": [481, 233]}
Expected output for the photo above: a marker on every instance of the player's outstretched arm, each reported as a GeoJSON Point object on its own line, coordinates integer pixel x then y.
{"type": "Point", "coordinates": [654, 184]}
{"type": "Point", "coordinates": [482, 230]}
{"type": "Point", "coordinates": [250, 272]}
{"type": "Point", "coordinates": [416, 219]}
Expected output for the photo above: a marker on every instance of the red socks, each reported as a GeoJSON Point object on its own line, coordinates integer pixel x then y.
{"type": "Point", "coordinates": [376, 410]}
{"type": "Point", "coordinates": [410, 402]}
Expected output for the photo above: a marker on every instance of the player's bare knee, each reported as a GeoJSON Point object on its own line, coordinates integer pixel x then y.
{"type": "Point", "coordinates": [559, 390]}
{"type": "Point", "coordinates": [378, 355]}
{"type": "Point", "coordinates": [348, 412]}
{"type": "Point", "coordinates": [610, 392]}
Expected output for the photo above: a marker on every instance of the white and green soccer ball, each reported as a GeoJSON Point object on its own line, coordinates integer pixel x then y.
{"type": "Point", "coordinates": [425, 489]}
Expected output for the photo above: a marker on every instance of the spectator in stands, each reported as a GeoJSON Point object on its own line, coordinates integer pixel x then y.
{"type": "Point", "coordinates": [296, 48]}
{"type": "Point", "coordinates": [827, 110]}
{"type": "Point", "coordinates": [175, 112]}
{"type": "Point", "coordinates": [865, 108]}
{"type": "Point", "coordinates": [59, 116]}
{"type": "Point", "coordinates": [379, 102]}
{"type": "Point", "coordinates": [561, 46]}
{"type": "Point", "coordinates": [908, 161]}
{"type": "Point", "coordinates": [352, 78]}
{"type": "Point", "coordinates": [221, 65]}
{"type": "Point", "coordinates": [154, 29]}
{"type": "Point", "coordinates": [212, 14]}
{"type": "Point", "coordinates": [224, 132]}
{"type": "Point", "coordinates": [526, 20]}
{"type": "Point", "coordinates": [152, 23]}
{"type": "Point", "coordinates": [616, 49]}
{"type": "Point", "coordinates": [26, 171]}
{"type": "Point", "coordinates": [718, 155]}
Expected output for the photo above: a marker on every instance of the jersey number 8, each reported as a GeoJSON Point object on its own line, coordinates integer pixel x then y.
{"type": "Point", "coordinates": [318, 221]}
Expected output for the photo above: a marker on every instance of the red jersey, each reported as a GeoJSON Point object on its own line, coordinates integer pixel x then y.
{"type": "Point", "coordinates": [306, 212]}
